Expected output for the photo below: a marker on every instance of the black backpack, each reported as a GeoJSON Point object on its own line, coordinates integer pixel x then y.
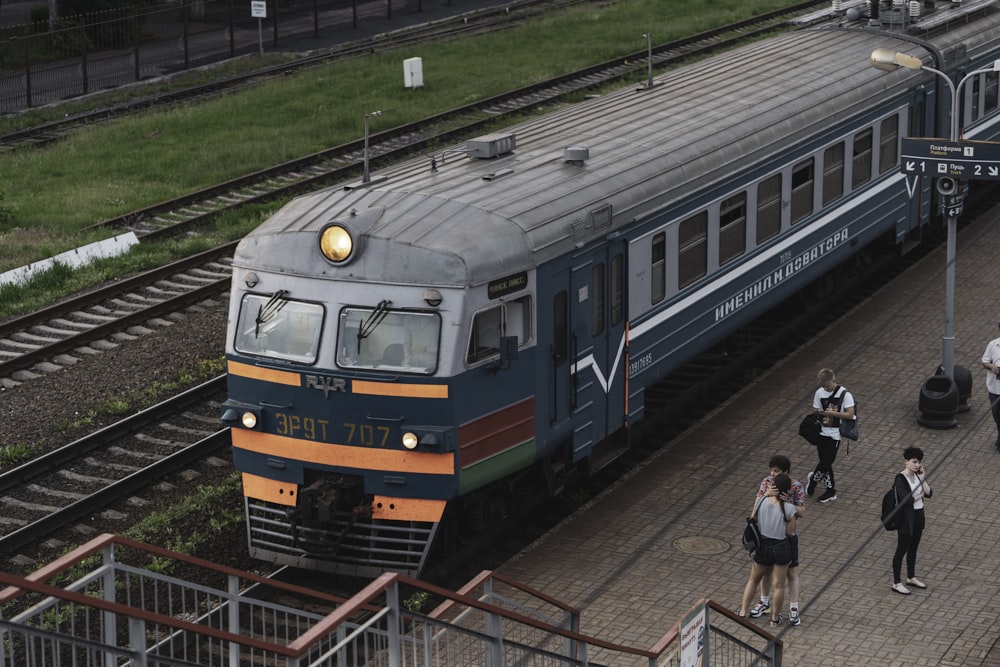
{"type": "Point", "coordinates": [889, 501]}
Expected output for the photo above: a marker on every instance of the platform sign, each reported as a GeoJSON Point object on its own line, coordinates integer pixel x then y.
{"type": "Point", "coordinates": [970, 160]}
{"type": "Point", "coordinates": [258, 9]}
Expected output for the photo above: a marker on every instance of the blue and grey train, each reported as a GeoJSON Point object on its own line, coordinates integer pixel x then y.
{"type": "Point", "coordinates": [399, 345]}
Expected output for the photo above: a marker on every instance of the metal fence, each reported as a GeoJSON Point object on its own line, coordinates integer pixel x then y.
{"type": "Point", "coordinates": [43, 62]}
{"type": "Point", "coordinates": [113, 603]}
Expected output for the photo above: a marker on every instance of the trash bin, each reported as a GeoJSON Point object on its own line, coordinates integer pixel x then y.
{"type": "Point", "coordinates": [963, 380]}
{"type": "Point", "coordinates": [938, 402]}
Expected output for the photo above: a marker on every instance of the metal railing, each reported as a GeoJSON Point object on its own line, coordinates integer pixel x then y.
{"type": "Point", "coordinates": [43, 62]}
{"type": "Point", "coordinates": [112, 603]}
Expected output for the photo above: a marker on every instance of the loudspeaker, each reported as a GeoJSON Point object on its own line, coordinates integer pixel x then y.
{"type": "Point", "coordinates": [947, 186]}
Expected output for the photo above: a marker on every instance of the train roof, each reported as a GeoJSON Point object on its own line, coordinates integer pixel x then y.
{"type": "Point", "coordinates": [472, 220]}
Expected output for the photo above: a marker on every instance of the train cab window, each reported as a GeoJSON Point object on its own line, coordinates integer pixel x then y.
{"type": "Point", "coordinates": [803, 184]}
{"type": "Point", "coordinates": [617, 289]}
{"type": "Point", "coordinates": [861, 163]}
{"type": "Point", "coordinates": [768, 208]}
{"type": "Point", "coordinates": [658, 278]}
{"type": "Point", "coordinates": [692, 239]}
{"type": "Point", "coordinates": [512, 318]}
{"type": "Point", "coordinates": [888, 144]}
{"type": "Point", "coordinates": [381, 339]}
{"type": "Point", "coordinates": [833, 173]}
{"type": "Point", "coordinates": [277, 327]}
{"type": "Point", "coordinates": [560, 328]}
{"type": "Point", "coordinates": [732, 228]}
{"type": "Point", "coordinates": [597, 299]}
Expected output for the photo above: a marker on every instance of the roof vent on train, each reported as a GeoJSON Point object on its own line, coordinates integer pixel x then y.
{"type": "Point", "coordinates": [576, 154]}
{"type": "Point", "coordinates": [490, 146]}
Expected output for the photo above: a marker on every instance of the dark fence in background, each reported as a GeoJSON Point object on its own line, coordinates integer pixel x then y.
{"type": "Point", "coordinates": [42, 63]}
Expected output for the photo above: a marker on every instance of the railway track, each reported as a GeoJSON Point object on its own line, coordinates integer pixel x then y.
{"type": "Point", "coordinates": [463, 25]}
{"type": "Point", "coordinates": [53, 491]}
{"type": "Point", "coordinates": [347, 161]}
{"type": "Point", "coordinates": [53, 337]}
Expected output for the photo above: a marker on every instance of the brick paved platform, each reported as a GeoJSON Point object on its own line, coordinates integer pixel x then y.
{"type": "Point", "coordinates": [640, 555]}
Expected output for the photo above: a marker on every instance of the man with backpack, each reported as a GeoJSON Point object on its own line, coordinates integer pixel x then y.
{"type": "Point", "coordinates": [831, 403]}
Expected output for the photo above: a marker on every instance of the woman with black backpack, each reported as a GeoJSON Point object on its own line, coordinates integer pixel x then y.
{"type": "Point", "coordinates": [911, 488]}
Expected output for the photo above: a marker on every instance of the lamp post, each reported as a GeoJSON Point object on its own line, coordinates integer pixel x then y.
{"type": "Point", "coordinates": [889, 61]}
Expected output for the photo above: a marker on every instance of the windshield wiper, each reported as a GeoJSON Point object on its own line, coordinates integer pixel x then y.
{"type": "Point", "coordinates": [366, 327]}
{"type": "Point", "coordinates": [268, 311]}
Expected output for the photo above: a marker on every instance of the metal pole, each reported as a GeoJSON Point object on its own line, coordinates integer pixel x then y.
{"type": "Point", "coordinates": [948, 341]}
{"type": "Point", "coordinates": [366, 176]}
{"type": "Point", "coordinates": [649, 58]}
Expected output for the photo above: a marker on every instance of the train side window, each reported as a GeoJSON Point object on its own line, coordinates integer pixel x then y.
{"type": "Point", "coordinates": [833, 173]}
{"type": "Point", "coordinates": [693, 243]}
{"type": "Point", "coordinates": [803, 182]}
{"type": "Point", "coordinates": [990, 98]}
{"type": "Point", "coordinates": [861, 167]}
{"type": "Point", "coordinates": [888, 144]}
{"type": "Point", "coordinates": [487, 326]}
{"type": "Point", "coordinates": [560, 328]}
{"type": "Point", "coordinates": [658, 288]}
{"type": "Point", "coordinates": [768, 208]}
{"type": "Point", "coordinates": [512, 318]}
{"type": "Point", "coordinates": [597, 299]}
{"type": "Point", "coordinates": [732, 228]}
{"type": "Point", "coordinates": [975, 108]}
{"type": "Point", "coordinates": [517, 319]}
{"type": "Point", "coordinates": [617, 292]}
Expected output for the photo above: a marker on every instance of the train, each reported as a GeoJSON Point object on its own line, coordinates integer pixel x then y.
{"type": "Point", "coordinates": [400, 346]}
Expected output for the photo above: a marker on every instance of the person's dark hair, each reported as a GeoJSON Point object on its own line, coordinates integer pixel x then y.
{"type": "Point", "coordinates": [782, 482]}
{"type": "Point", "coordinates": [781, 462]}
{"type": "Point", "coordinates": [913, 453]}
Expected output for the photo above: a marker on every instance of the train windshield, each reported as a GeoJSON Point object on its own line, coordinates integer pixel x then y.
{"type": "Point", "coordinates": [391, 340]}
{"type": "Point", "coordinates": [276, 326]}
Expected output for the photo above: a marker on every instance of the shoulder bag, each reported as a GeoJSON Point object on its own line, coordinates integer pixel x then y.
{"type": "Point", "coordinates": [751, 533]}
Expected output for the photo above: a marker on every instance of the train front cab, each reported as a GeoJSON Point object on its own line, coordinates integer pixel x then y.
{"type": "Point", "coordinates": [348, 451]}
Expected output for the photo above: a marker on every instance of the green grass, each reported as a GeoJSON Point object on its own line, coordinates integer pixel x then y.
{"type": "Point", "coordinates": [49, 195]}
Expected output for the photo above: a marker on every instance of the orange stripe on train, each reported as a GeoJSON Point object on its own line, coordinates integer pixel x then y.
{"type": "Point", "coordinates": [364, 458]}
{"type": "Point", "coordinates": [265, 374]}
{"type": "Point", "coordinates": [399, 389]}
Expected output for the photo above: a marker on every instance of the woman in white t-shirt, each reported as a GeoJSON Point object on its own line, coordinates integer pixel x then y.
{"type": "Point", "coordinates": [911, 489]}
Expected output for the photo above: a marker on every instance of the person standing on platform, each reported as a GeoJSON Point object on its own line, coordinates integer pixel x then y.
{"type": "Point", "coordinates": [991, 362]}
{"type": "Point", "coordinates": [776, 519]}
{"type": "Point", "coordinates": [780, 464]}
{"type": "Point", "coordinates": [832, 403]}
{"type": "Point", "coordinates": [911, 489]}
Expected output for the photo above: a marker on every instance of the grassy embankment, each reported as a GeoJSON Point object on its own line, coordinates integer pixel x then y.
{"type": "Point", "coordinates": [48, 195]}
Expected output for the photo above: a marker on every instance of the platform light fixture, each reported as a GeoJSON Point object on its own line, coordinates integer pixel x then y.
{"type": "Point", "coordinates": [889, 61]}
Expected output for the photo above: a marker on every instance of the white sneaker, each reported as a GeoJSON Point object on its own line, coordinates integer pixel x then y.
{"type": "Point", "coordinates": [901, 589]}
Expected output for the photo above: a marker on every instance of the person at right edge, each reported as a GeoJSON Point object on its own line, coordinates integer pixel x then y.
{"type": "Point", "coordinates": [911, 489]}
{"type": "Point", "coordinates": [991, 362]}
{"type": "Point", "coordinates": [832, 403]}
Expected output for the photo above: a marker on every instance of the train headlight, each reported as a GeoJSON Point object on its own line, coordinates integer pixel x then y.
{"type": "Point", "coordinates": [236, 416]}
{"type": "Point", "coordinates": [336, 243]}
{"type": "Point", "coordinates": [249, 420]}
{"type": "Point", "coordinates": [410, 440]}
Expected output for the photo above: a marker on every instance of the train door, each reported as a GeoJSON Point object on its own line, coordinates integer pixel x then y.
{"type": "Point", "coordinates": [595, 372]}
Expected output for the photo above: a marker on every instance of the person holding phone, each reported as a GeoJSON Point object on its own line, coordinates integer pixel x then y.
{"type": "Point", "coordinates": [911, 490]}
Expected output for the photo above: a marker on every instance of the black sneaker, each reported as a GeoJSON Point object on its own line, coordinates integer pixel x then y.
{"type": "Point", "coordinates": [811, 484]}
{"type": "Point", "coordinates": [760, 609]}
{"type": "Point", "coordinates": [828, 496]}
